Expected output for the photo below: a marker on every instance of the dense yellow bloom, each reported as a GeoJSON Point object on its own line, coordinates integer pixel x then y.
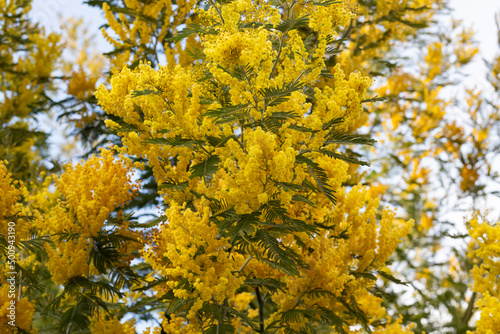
{"type": "Point", "coordinates": [100, 325]}
{"type": "Point", "coordinates": [133, 27]}
{"type": "Point", "coordinates": [205, 131]}
{"type": "Point", "coordinates": [489, 322]}
{"type": "Point", "coordinates": [91, 190]}
{"type": "Point", "coordinates": [24, 312]}
{"type": "Point", "coordinates": [484, 251]}
{"type": "Point", "coordinates": [37, 62]}
{"type": "Point", "coordinates": [394, 328]}
{"type": "Point", "coordinates": [69, 259]}
{"type": "Point", "coordinates": [9, 196]}
{"type": "Point", "coordinates": [195, 252]}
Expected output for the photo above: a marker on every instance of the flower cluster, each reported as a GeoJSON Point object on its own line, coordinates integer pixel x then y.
{"type": "Point", "coordinates": [9, 197]}
{"type": "Point", "coordinates": [91, 192]}
{"type": "Point", "coordinates": [244, 145]}
{"type": "Point", "coordinates": [484, 251]}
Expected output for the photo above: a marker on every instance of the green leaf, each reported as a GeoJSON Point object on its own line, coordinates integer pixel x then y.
{"type": "Point", "coordinates": [375, 99]}
{"type": "Point", "coordinates": [125, 127]}
{"type": "Point", "coordinates": [73, 318]}
{"type": "Point", "coordinates": [329, 317]}
{"type": "Point", "coordinates": [283, 115]}
{"type": "Point", "coordinates": [366, 275]}
{"type": "Point", "coordinates": [300, 198]}
{"type": "Point", "coordinates": [301, 128]}
{"type": "Point", "coordinates": [273, 211]}
{"type": "Point", "coordinates": [149, 224]}
{"type": "Point", "coordinates": [296, 315]}
{"type": "Point", "coordinates": [220, 328]}
{"type": "Point", "coordinates": [157, 281]}
{"type": "Point", "coordinates": [219, 141]}
{"type": "Point", "coordinates": [174, 186]}
{"type": "Point", "coordinates": [195, 53]}
{"type": "Point", "coordinates": [325, 73]}
{"type": "Point", "coordinates": [124, 276]}
{"type": "Point", "coordinates": [287, 186]}
{"type": "Point", "coordinates": [319, 176]}
{"type": "Point", "coordinates": [242, 73]}
{"type": "Point", "coordinates": [319, 293]}
{"type": "Point", "coordinates": [271, 123]}
{"type": "Point", "coordinates": [326, 3]}
{"type": "Point", "coordinates": [218, 207]}
{"type": "Point", "coordinates": [276, 96]}
{"type": "Point", "coordinates": [229, 114]}
{"type": "Point", "coordinates": [293, 22]}
{"type": "Point", "coordinates": [254, 25]}
{"type": "Point", "coordinates": [179, 304]}
{"type": "Point", "coordinates": [237, 226]}
{"type": "Point", "coordinates": [191, 29]}
{"type": "Point", "coordinates": [175, 141]}
{"type": "Point", "coordinates": [275, 252]}
{"type": "Point", "coordinates": [391, 278]}
{"type": "Point", "coordinates": [103, 257]}
{"type": "Point", "coordinates": [332, 50]}
{"type": "Point", "coordinates": [344, 138]}
{"type": "Point", "coordinates": [354, 310]}
{"type": "Point", "coordinates": [271, 284]}
{"type": "Point", "coordinates": [333, 122]}
{"type": "Point", "coordinates": [206, 168]}
{"type": "Point", "coordinates": [345, 158]}
{"type": "Point", "coordinates": [66, 235]}
{"type": "Point", "coordinates": [33, 245]}
{"type": "Point", "coordinates": [148, 91]}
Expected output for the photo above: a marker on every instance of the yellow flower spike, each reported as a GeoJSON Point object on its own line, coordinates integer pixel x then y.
{"type": "Point", "coordinates": [101, 325]}
{"type": "Point", "coordinates": [23, 315]}
{"type": "Point", "coordinates": [483, 247]}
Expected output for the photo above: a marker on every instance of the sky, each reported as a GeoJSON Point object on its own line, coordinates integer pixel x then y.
{"type": "Point", "coordinates": [480, 15]}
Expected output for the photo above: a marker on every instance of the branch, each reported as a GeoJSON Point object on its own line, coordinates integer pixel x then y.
{"type": "Point", "coordinates": [469, 311]}
{"type": "Point", "coordinates": [261, 310]}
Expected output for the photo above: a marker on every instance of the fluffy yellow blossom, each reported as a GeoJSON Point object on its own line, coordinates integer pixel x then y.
{"type": "Point", "coordinates": [11, 192]}
{"type": "Point", "coordinates": [9, 197]}
{"type": "Point", "coordinates": [242, 300]}
{"type": "Point", "coordinates": [394, 328]}
{"type": "Point", "coordinates": [129, 25]}
{"type": "Point", "coordinates": [243, 144]}
{"type": "Point", "coordinates": [101, 325]}
{"type": "Point", "coordinates": [68, 260]}
{"type": "Point", "coordinates": [23, 313]}
{"type": "Point", "coordinates": [484, 251]}
{"type": "Point", "coordinates": [92, 191]}
{"type": "Point", "coordinates": [489, 322]}
{"type": "Point", "coordinates": [189, 248]}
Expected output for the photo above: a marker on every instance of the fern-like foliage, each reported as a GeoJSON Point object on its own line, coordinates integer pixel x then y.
{"type": "Point", "coordinates": [319, 176]}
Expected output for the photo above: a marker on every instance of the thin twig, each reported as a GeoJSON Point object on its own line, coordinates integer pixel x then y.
{"type": "Point", "coordinates": [244, 264]}
{"type": "Point", "coordinates": [261, 310]}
